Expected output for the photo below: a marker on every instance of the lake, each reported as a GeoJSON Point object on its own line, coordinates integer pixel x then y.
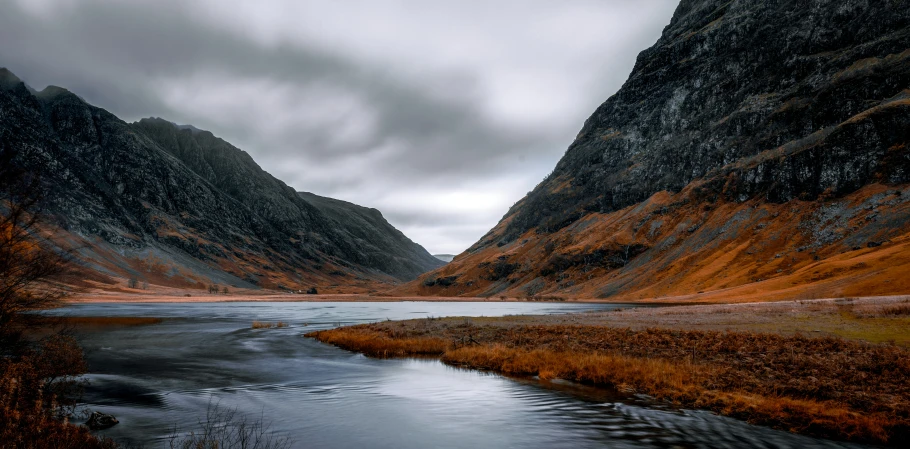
{"type": "Point", "coordinates": [153, 377]}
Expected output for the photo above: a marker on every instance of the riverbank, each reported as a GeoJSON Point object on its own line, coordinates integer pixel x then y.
{"type": "Point", "coordinates": [194, 296]}
{"type": "Point", "coordinates": [820, 368]}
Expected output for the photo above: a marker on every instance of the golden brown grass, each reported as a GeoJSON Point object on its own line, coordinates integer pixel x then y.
{"type": "Point", "coordinates": [376, 344]}
{"type": "Point", "coordinates": [683, 383]}
{"type": "Point", "coordinates": [824, 387]}
{"type": "Point", "coordinates": [36, 394]}
{"type": "Point", "coordinates": [269, 325]}
{"type": "Point", "coordinates": [900, 309]}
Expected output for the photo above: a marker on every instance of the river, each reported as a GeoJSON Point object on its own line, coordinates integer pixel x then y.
{"type": "Point", "coordinates": [153, 377]}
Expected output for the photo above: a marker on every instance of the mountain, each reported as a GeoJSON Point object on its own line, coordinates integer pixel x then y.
{"type": "Point", "coordinates": [758, 150]}
{"type": "Point", "coordinates": [175, 205]}
{"type": "Point", "coordinates": [444, 257]}
{"type": "Point", "coordinates": [374, 236]}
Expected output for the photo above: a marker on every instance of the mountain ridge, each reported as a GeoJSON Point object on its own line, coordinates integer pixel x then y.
{"type": "Point", "coordinates": [177, 205]}
{"type": "Point", "coordinates": [741, 113]}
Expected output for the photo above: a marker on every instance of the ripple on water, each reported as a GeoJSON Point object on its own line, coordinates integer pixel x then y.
{"type": "Point", "coordinates": [154, 377]}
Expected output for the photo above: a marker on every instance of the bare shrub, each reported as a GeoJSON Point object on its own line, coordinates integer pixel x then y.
{"type": "Point", "coordinates": [224, 428]}
{"type": "Point", "coordinates": [39, 380]}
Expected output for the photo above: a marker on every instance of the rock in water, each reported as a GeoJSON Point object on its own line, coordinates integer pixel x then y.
{"type": "Point", "coordinates": [99, 421]}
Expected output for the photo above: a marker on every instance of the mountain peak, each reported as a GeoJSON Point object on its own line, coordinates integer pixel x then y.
{"type": "Point", "coordinates": [755, 142]}
{"type": "Point", "coordinates": [195, 203]}
{"type": "Point", "coordinates": [52, 92]}
{"type": "Point", "coordinates": [162, 121]}
{"type": "Point", "coordinates": [8, 79]}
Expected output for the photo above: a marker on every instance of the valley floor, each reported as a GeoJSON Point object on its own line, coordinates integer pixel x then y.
{"type": "Point", "coordinates": [829, 368]}
{"type": "Point", "coordinates": [187, 296]}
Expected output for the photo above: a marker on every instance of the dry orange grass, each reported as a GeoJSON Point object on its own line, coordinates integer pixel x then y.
{"type": "Point", "coordinates": [822, 387]}
{"type": "Point", "coordinates": [30, 411]}
{"type": "Point", "coordinates": [901, 309]}
{"type": "Point", "coordinates": [269, 325]}
{"type": "Point", "coordinates": [732, 269]}
{"type": "Point", "coordinates": [684, 383]}
{"type": "Point", "coordinates": [376, 344]}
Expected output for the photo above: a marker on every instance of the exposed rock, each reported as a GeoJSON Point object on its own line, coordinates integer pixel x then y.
{"type": "Point", "coordinates": [373, 239]}
{"type": "Point", "coordinates": [750, 129]}
{"type": "Point", "coordinates": [177, 205]}
{"type": "Point", "coordinates": [447, 281]}
{"type": "Point", "coordinates": [100, 421]}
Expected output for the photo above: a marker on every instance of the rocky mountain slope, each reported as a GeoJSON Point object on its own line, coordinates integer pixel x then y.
{"type": "Point", "coordinates": [178, 206]}
{"type": "Point", "coordinates": [758, 150]}
{"type": "Point", "coordinates": [374, 236]}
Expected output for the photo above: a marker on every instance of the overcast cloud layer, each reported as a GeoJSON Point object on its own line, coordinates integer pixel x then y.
{"type": "Point", "coordinates": [439, 114]}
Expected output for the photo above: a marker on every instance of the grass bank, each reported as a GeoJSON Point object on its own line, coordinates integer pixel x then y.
{"type": "Point", "coordinates": [826, 387]}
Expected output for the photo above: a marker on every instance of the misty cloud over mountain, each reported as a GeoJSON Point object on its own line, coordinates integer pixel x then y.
{"type": "Point", "coordinates": [441, 116]}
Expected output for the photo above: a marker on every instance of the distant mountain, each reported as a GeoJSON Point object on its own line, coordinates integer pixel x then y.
{"type": "Point", "coordinates": [444, 257]}
{"type": "Point", "coordinates": [176, 205]}
{"type": "Point", "coordinates": [368, 231]}
{"type": "Point", "coordinates": [758, 150]}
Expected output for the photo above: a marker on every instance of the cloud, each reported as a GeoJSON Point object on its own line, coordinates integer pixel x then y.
{"type": "Point", "coordinates": [440, 114]}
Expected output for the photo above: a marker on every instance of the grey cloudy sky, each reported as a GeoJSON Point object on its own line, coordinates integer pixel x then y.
{"type": "Point", "coordinates": [439, 114]}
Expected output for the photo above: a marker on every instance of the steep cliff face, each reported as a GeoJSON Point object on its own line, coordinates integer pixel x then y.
{"type": "Point", "coordinates": [756, 132]}
{"type": "Point", "coordinates": [178, 206]}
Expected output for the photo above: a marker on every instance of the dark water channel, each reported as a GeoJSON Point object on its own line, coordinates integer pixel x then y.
{"type": "Point", "coordinates": [154, 377]}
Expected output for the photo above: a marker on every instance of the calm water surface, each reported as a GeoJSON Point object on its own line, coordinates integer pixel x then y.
{"type": "Point", "coordinates": [157, 376]}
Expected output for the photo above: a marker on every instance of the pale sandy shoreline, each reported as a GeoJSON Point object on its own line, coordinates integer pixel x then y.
{"type": "Point", "coordinates": [196, 296]}
{"type": "Point", "coordinates": [855, 318]}
{"type": "Point", "coordinates": [204, 298]}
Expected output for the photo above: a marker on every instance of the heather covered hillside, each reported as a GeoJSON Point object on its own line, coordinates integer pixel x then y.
{"type": "Point", "coordinates": [758, 150]}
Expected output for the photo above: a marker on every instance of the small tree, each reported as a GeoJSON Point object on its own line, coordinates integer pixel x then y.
{"type": "Point", "coordinates": [27, 263]}
{"type": "Point", "coordinates": [224, 290]}
{"type": "Point", "coordinates": [145, 285]}
{"type": "Point", "coordinates": [132, 283]}
{"type": "Point", "coordinates": [38, 379]}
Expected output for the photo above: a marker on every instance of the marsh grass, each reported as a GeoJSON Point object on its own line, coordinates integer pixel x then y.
{"type": "Point", "coordinates": [376, 344]}
{"type": "Point", "coordinates": [269, 325]}
{"type": "Point", "coordinates": [825, 387]}
{"type": "Point", "coordinates": [897, 310]}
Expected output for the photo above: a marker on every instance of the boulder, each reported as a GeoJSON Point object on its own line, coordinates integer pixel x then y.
{"type": "Point", "coordinates": [99, 421]}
